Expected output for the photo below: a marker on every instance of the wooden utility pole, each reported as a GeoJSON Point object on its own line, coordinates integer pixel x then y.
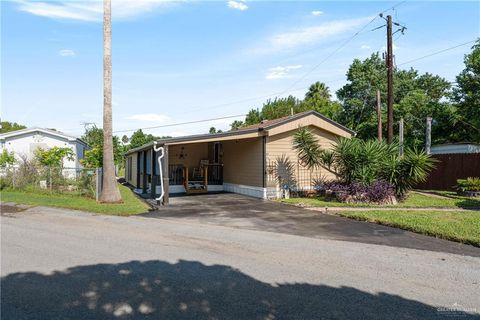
{"type": "Point", "coordinates": [389, 80]}
{"type": "Point", "coordinates": [428, 135]}
{"type": "Point", "coordinates": [400, 136]}
{"type": "Point", "coordinates": [379, 116]}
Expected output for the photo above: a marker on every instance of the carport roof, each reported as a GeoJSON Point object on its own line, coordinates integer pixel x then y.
{"type": "Point", "coordinates": [252, 131]}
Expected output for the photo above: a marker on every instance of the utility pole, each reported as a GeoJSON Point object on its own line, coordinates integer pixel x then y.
{"type": "Point", "coordinates": [400, 135]}
{"type": "Point", "coordinates": [389, 63]}
{"type": "Point", "coordinates": [379, 116]}
{"type": "Point", "coordinates": [428, 135]}
{"type": "Point", "coordinates": [389, 80]}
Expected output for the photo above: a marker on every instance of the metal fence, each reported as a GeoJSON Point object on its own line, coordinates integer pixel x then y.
{"type": "Point", "coordinates": [29, 177]}
{"type": "Point", "coordinates": [293, 175]}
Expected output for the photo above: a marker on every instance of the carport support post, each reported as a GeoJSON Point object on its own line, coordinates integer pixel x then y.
{"type": "Point", "coordinates": [166, 179]}
{"type": "Point", "coordinates": [153, 188]}
{"type": "Point", "coordinates": [144, 173]}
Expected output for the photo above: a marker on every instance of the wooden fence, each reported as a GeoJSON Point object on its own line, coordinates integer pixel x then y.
{"type": "Point", "coordinates": [451, 167]}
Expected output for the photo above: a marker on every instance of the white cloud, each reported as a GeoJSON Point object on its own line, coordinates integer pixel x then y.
{"type": "Point", "coordinates": [148, 117]}
{"type": "Point", "coordinates": [364, 46]}
{"type": "Point", "coordinates": [280, 72]}
{"type": "Point", "coordinates": [317, 12]}
{"type": "Point", "coordinates": [90, 10]}
{"type": "Point", "coordinates": [237, 5]}
{"type": "Point", "coordinates": [67, 53]}
{"type": "Point", "coordinates": [308, 35]}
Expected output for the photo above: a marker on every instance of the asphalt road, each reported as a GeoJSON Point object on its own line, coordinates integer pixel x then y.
{"type": "Point", "coordinates": [59, 264]}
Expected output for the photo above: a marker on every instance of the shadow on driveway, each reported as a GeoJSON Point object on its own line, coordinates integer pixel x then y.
{"type": "Point", "coordinates": [234, 210]}
{"type": "Point", "coordinates": [191, 290]}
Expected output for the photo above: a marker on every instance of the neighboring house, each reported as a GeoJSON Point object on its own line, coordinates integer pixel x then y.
{"type": "Point", "coordinates": [23, 144]}
{"type": "Point", "coordinates": [450, 148]}
{"type": "Point", "coordinates": [242, 161]}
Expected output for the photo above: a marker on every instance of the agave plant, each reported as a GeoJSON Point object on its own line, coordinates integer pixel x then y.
{"type": "Point", "coordinates": [404, 172]}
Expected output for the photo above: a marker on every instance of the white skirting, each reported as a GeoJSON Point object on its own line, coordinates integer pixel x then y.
{"type": "Point", "coordinates": [181, 189]}
{"type": "Point", "coordinates": [257, 192]}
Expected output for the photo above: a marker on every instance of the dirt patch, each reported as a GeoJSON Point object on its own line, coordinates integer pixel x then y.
{"type": "Point", "coordinates": [8, 209]}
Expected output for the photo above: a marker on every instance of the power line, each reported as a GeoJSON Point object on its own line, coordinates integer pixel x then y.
{"type": "Point", "coordinates": [437, 52]}
{"type": "Point", "coordinates": [181, 123]}
{"type": "Point", "coordinates": [342, 45]}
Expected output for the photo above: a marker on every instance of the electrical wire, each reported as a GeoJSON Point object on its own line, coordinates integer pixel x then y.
{"type": "Point", "coordinates": [181, 123]}
{"type": "Point", "coordinates": [437, 52]}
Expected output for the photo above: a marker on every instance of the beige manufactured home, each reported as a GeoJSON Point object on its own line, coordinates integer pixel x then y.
{"type": "Point", "coordinates": [251, 161]}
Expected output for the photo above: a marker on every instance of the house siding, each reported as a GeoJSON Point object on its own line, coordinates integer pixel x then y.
{"type": "Point", "coordinates": [133, 173]}
{"type": "Point", "coordinates": [243, 162]}
{"type": "Point", "coordinates": [281, 145]}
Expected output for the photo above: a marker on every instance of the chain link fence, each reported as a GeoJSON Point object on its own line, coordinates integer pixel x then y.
{"type": "Point", "coordinates": [32, 177]}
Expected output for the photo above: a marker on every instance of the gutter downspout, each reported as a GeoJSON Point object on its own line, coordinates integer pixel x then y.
{"type": "Point", "coordinates": [160, 169]}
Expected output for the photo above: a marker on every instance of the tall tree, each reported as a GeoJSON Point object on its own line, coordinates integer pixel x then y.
{"type": "Point", "coordinates": [139, 138]}
{"type": "Point", "coordinates": [467, 97]}
{"type": "Point", "coordinates": [110, 192]}
{"type": "Point", "coordinates": [93, 136]}
{"type": "Point", "coordinates": [416, 97]}
{"type": "Point", "coordinates": [6, 126]}
{"type": "Point", "coordinates": [318, 90]}
{"type": "Point", "coordinates": [318, 98]}
{"type": "Point", "coordinates": [235, 125]}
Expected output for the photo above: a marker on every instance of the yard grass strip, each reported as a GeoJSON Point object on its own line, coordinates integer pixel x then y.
{"type": "Point", "coordinates": [131, 204]}
{"type": "Point", "coordinates": [414, 200]}
{"type": "Point", "coordinates": [461, 226]}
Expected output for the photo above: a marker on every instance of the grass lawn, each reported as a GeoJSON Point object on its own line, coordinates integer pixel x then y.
{"type": "Point", "coordinates": [131, 204]}
{"type": "Point", "coordinates": [414, 200]}
{"type": "Point", "coordinates": [462, 226]}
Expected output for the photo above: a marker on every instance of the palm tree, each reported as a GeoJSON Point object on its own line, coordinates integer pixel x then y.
{"type": "Point", "coordinates": [110, 191]}
{"type": "Point", "coordinates": [318, 90]}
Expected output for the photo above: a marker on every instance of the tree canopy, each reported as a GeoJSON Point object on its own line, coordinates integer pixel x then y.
{"type": "Point", "coordinates": [455, 109]}
{"type": "Point", "coordinates": [7, 126]}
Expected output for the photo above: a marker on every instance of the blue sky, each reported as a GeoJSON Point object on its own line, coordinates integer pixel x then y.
{"type": "Point", "coordinates": [190, 60]}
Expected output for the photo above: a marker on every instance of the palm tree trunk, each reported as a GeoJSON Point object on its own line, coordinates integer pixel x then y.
{"type": "Point", "coordinates": [110, 191]}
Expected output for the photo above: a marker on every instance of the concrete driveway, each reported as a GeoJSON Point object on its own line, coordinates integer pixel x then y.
{"type": "Point", "coordinates": [61, 264]}
{"type": "Point", "coordinates": [238, 211]}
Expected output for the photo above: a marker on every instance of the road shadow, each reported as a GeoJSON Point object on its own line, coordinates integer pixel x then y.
{"type": "Point", "coordinates": [191, 290]}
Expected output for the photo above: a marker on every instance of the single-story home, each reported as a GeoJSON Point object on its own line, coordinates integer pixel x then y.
{"type": "Point", "coordinates": [253, 160]}
{"type": "Point", "coordinates": [23, 143]}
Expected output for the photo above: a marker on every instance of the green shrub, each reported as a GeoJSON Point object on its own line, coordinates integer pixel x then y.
{"type": "Point", "coordinates": [469, 184]}
{"type": "Point", "coordinates": [354, 160]}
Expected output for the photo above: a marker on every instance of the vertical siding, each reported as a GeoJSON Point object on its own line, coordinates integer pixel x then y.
{"type": "Point", "coordinates": [243, 162]}
{"type": "Point", "coordinates": [282, 145]}
{"type": "Point", "coordinates": [133, 180]}
{"type": "Point", "coordinates": [134, 169]}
